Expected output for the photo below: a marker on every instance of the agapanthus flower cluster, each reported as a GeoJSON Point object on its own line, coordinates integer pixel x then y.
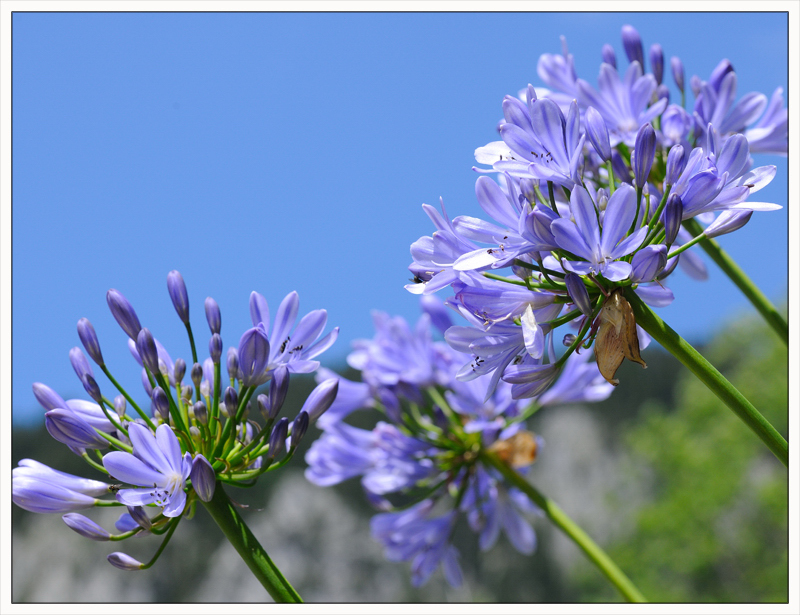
{"type": "Point", "coordinates": [157, 459]}
{"type": "Point", "coordinates": [422, 465]}
{"type": "Point", "coordinates": [599, 191]}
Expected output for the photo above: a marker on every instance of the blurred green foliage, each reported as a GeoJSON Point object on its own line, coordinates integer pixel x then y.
{"type": "Point", "coordinates": [714, 527]}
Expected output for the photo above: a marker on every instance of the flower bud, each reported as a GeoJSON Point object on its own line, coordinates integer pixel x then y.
{"type": "Point", "coordinates": [146, 346]}
{"type": "Point", "coordinates": [187, 392]}
{"type": "Point", "coordinates": [79, 363]}
{"type": "Point", "coordinates": [597, 132]}
{"type": "Point", "coordinates": [197, 374]}
{"type": "Point", "coordinates": [120, 405]}
{"type": "Point", "coordinates": [177, 292]}
{"type": "Point", "coordinates": [123, 313]}
{"type": "Point", "coordinates": [673, 214]}
{"type": "Point", "coordinates": [179, 370]}
{"type": "Point", "coordinates": [648, 262]}
{"type": "Point", "coordinates": [277, 438]}
{"type": "Point", "coordinates": [299, 427]}
{"type": "Point", "coordinates": [578, 293]}
{"type": "Point", "coordinates": [253, 354]}
{"type": "Point", "coordinates": [89, 340]}
{"type": "Point", "coordinates": [195, 435]}
{"type": "Point", "coordinates": [204, 479]}
{"type": "Point", "coordinates": [139, 515]}
{"type": "Point", "coordinates": [677, 72]}
{"type": "Point", "coordinates": [215, 347]}
{"type": "Point", "coordinates": [728, 221]}
{"type": "Point", "coordinates": [70, 429]}
{"type": "Point", "coordinates": [148, 388]}
{"type": "Point", "coordinates": [85, 527]}
{"type": "Point", "coordinates": [321, 398]}
{"type": "Point", "coordinates": [47, 397]}
{"type": "Point", "coordinates": [160, 404]}
{"type": "Point", "coordinates": [124, 561]}
{"type": "Point", "coordinates": [213, 315]}
{"type": "Point", "coordinates": [675, 164]}
{"type": "Point", "coordinates": [569, 340]}
{"type": "Point", "coordinates": [620, 168]}
{"type": "Point", "coordinates": [657, 62]}
{"type": "Point", "coordinates": [609, 57]}
{"type": "Point", "coordinates": [231, 400]}
{"type": "Point", "coordinates": [92, 388]}
{"type": "Point", "coordinates": [643, 155]}
{"type": "Point", "coordinates": [632, 43]}
{"type": "Point", "coordinates": [440, 419]}
{"type": "Point", "coordinates": [662, 92]}
{"type": "Point", "coordinates": [232, 363]}
{"type": "Point", "coordinates": [200, 412]}
{"type": "Point", "coordinates": [264, 407]}
{"type": "Point", "coordinates": [278, 387]}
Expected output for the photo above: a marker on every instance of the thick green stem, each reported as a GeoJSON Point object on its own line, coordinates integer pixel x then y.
{"type": "Point", "coordinates": [708, 375]}
{"type": "Point", "coordinates": [236, 531]}
{"type": "Point", "coordinates": [560, 519]}
{"type": "Point", "coordinates": [750, 290]}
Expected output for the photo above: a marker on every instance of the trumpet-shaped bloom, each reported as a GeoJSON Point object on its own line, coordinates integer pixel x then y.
{"type": "Point", "coordinates": [600, 250]}
{"type": "Point", "coordinates": [156, 465]}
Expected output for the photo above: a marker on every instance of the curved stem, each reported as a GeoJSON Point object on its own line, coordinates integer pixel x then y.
{"type": "Point", "coordinates": [569, 527]}
{"type": "Point", "coordinates": [745, 284]}
{"type": "Point", "coordinates": [708, 375]}
{"type": "Point", "coordinates": [236, 531]}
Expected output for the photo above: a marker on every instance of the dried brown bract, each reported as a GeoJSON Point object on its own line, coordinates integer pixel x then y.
{"type": "Point", "coordinates": [616, 336]}
{"type": "Point", "coordinates": [517, 451]}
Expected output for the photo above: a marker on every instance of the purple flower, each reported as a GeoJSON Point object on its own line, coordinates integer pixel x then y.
{"type": "Point", "coordinates": [294, 349]}
{"type": "Point", "coordinates": [434, 256]}
{"type": "Point", "coordinates": [623, 103]}
{"type": "Point", "coordinates": [522, 228]}
{"type": "Point", "coordinates": [491, 507]}
{"type": "Point", "coordinates": [584, 239]}
{"type": "Point", "coordinates": [770, 135]}
{"type": "Point", "coordinates": [551, 149]}
{"type": "Point", "coordinates": [157, 466]}
{"type": "Point", "coordinates": [415, 535]}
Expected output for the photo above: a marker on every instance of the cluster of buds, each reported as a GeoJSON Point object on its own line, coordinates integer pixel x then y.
{"type": "Point", "coordinates": [193, 435]}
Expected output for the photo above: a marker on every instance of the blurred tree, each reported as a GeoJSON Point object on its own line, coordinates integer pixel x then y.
{"type": "Point", "coordinates": [715, 527]}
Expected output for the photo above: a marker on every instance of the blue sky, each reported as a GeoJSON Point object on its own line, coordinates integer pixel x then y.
{"type": "Point", "coordinates": [279, 152]}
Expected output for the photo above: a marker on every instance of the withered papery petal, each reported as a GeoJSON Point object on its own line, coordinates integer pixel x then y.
{"type": "Point", "coordinates": [616, 336]}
